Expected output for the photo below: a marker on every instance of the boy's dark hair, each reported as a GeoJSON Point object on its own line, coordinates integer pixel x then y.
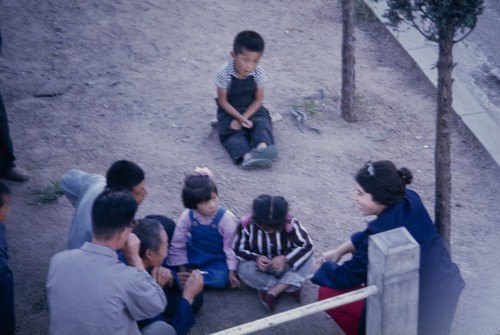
{"type": "Point", "coordinates": [111, 213]}
{"type": "Point", "coordinates": [197, 189]}
{"type": "Point", "coordinates": [384, 181]}
{"type": "Point", "coordinates": [148, 232]}
{"type": "Point", "coordinates": [123, 175]}
{"type": "Point", "coordinates": [4, 190]}
{"type": "Point", "coordinates": [269, 211]}
{"type": "Point", "coordinates": [248, 40]}
{"type": "Point", "coordinates": [167, 223]}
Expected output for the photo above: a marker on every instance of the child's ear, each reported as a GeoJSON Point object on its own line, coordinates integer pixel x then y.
{"type": "Point", "coordinates": [233, 54]}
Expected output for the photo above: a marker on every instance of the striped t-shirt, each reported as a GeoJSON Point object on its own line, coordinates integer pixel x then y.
{"type": "Point", "coordinates": [293, 242]}
{"type": "Point", "coordinates": [225, 73]}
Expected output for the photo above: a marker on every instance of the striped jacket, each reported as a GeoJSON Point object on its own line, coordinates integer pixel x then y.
{"type": "Point", "coordinates": [292, 241]}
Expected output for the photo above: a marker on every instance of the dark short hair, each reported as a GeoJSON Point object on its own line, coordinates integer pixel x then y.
{"type": "Point", "coordinates": [4, 190]}
{"type": "Point", "coordinates": [124, 175]}
{"type": "Point", "coordinates": [197, 189]}
{"type": "Point", "coordinates": [248, 40]}
{"type": "Point", "coordinates": [384, 181]}
{"type": "Point", "coordinates": [148, 232]}
{"type": "Point", "coordinates": [111, 213]}
{"type": "Point", "coordinates": [269, 211]}
{"type": "Point", "coordinates": [167, 223]}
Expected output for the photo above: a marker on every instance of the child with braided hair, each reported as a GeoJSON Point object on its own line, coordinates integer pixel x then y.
{"type": "Point", "coordinates": [274, 250]}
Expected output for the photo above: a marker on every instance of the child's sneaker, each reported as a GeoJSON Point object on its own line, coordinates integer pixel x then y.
{"type": "Point", "coordinates": [268, 300]}
{"type": "Point", "coordinates": [256, 163]}
{"type": "Point", "coordinates": [269, 152]}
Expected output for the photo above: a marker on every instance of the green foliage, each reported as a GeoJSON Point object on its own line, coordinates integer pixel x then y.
{"type": "Point", "coordinates": [308, 106]}
{"type": "Point", "coordinates": [49, 193]}
{"type": "Point", "coordinates": [436, 18]}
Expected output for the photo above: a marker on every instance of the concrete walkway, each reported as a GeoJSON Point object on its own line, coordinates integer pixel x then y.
{"type": "Point", "coordinates": [469, 102]}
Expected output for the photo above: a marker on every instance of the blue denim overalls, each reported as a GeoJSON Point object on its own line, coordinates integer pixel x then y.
{"type": "Point", "coordinates": [205, 249]}
{"type": "Point", "coordinates": [240, 94]}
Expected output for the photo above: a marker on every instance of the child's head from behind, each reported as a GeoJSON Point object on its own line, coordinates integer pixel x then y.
{"type": "Point", "coordinates": [248, 47]}
{"type": "Point", "coordinates": [200, 193]}
{"type": "Point", "coordinates": [270, 212]}
{"type": "Point", "coordinates": [4, 200]}
{"type": "Point", "coordinates": [126, 176]}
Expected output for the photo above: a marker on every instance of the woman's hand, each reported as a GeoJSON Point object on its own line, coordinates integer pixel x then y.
{"type": "Point", "coordinates": [333, 255]}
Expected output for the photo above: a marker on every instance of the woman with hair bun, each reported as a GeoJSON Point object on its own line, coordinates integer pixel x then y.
{"type": "Point", "coordinates": [381, 191]}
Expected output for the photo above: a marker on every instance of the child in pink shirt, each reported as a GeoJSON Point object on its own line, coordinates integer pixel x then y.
{"type": "Point", "coordinates": [204, 234]}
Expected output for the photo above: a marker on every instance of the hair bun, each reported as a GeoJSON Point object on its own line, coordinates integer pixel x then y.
{"type": "Point", "coordinates": [406, 175]}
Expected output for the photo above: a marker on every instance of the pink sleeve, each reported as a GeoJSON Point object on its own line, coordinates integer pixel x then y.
{"type": "Point", "coordinates": [177, 251]}
{"type": "Point", "coordinates": [228, 227]}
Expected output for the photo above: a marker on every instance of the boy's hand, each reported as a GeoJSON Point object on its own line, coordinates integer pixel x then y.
{"type": "Point", "coordinates": [263, 263]}
{"type": "Point", "coordinates": [235, 125]}
{"type": "Point", "coordinates": [162, 276]}
{"type": "Point", "coordinates": [183, 277]}
{"type": "Point", "coordinates": [193, 286]}
{"type": "Point", "coordinates": [247, 124]}
{"type": "Point", "coordinates": [278, 263]}
{"type": "Point", "coordinates": [131, 251]}
{"type": "Point", "coordinates": [233, 279]}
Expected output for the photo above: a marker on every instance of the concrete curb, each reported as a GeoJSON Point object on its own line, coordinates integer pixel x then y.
{"type": "Point", "coordinates": [466, 106]}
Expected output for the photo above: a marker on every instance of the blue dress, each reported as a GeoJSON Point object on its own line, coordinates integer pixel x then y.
{"type": "Point", "coordinates": [440, 281]}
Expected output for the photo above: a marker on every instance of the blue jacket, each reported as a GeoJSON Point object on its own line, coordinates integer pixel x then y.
{"type": "Point", "coordinates": [440, 279]}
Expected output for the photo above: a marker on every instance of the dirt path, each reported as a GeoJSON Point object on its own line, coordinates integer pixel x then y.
{"type": "Point", "coordinates": [136, 83]}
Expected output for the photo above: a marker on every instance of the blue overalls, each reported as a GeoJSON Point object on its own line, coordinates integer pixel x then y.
{"type": "Point", "coordinates": [240, 95]}
{"type": "Point", "coordinates": [205, 249]}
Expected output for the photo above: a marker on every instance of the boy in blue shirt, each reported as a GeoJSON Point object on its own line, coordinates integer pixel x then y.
{"type": "Point", "coordinates": [244, 125]}
{"type": "Point", "coordinates": [7, 319]}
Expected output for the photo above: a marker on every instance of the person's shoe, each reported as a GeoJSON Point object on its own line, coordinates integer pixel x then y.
{"type": "Point", "coordinates": [295, 295]}
{"type": "Point", "coordinates": [214, 123]}
{"type": "Point", "coordinates": [268, 300]}
{"type": "Point", "coordinates": [256, 163]}
{"type": "Point", "coordinates": [269, 152]}
{"type": "Point", "coordinates": [16, 174]}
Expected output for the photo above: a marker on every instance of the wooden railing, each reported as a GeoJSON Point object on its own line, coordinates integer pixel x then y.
{"type": "Point", "coordinates": [392, 291]}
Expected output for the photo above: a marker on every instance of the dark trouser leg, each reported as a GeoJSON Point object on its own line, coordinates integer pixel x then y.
{"type": "Point", "coordinates": [6, 149]}
{"type": "Point", "coordinates": [262, 130]}
{"type": "Point", "coordinates": [237, 144]}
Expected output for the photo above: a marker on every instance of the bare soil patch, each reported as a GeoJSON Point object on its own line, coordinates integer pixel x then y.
{"type": "Point", "coordinates": [135, 79]}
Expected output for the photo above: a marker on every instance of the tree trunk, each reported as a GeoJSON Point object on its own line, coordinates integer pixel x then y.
{"type": "Point", "coordinates": [348, 81]}
{"type": "Point", "coordinates": [443, 140]}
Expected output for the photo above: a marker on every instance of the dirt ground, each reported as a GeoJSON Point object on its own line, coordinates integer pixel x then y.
{"type": "Point", "coordinates": [135, 82]}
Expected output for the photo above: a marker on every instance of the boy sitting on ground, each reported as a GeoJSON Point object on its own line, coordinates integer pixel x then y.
{"type": "Point", "coordinates": [244, 125]}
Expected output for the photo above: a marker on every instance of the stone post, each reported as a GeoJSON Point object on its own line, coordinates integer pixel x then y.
{"type": "Point", "coordinates": [394, 261]}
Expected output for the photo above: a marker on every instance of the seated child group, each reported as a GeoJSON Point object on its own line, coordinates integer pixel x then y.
{"type": "Point", "coordinates": [121, 275]}
{"type": "Point", "coordinates": [208, 246]}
